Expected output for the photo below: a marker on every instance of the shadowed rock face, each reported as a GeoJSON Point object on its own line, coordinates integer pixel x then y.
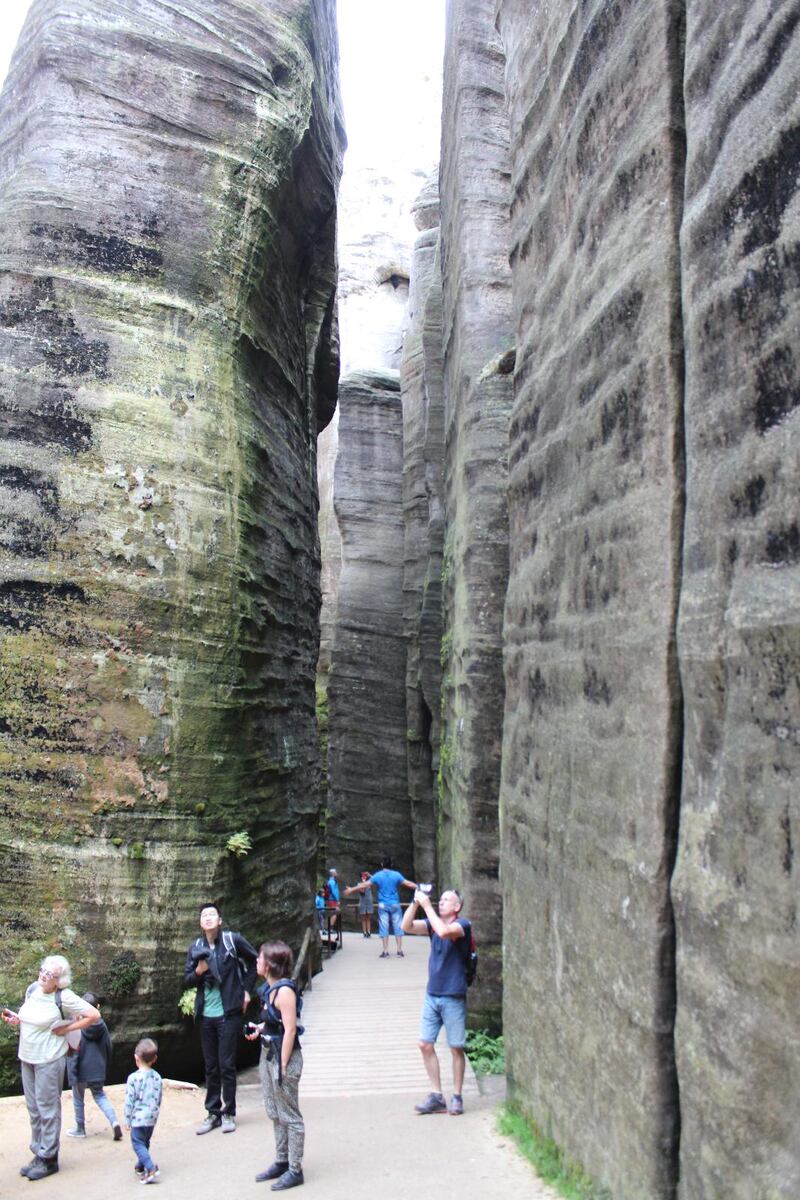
{"type": "Point", "coordinates": [167, 191]}
{"type": "Point", "coordinates": [368, 791]}
{"type": "Point", "coordinates": [423, 512]}
{"type": "Point", "coordinates": [592, 729]}
{"type": "Point", "coordinates": [736, 892]}
{"type": "Point", "coordinates": [476, 286]}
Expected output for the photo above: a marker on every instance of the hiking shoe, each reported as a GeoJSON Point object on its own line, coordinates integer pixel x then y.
{"type": "Point", "coordinates": [117, 1133]}
{"type": "Point", "coordinates": [29, 1166]}
{"type": "Point", "coordinates": [138, 1169]}
{"type": "Point", "coordinates": [288, 1179]}
{"type": "Point", "coordinates": [151, 1176]}
{"type": "Point", "coordinates": [78, 1131]}
{"type": "Point", "coordinates": [43, 1168]}
{"type": "Point", "coordinates": [456, 1106]}
{"type": "Point", "coordinates": [274, 1172]}
{"type": "Point", "coordinates": [212, 1121]}
{"type": "Point", "coordinates": [383, 954]}
{"type": "Point", "coordinates": [400, 954]}
{"type": "Point", "coordinates": [228, 1123]}
{"type": "Point", "coordinates": [433, 1104]}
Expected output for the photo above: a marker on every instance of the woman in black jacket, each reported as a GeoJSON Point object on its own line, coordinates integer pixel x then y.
{"type": "Point", "coordinates": [88, 1068]}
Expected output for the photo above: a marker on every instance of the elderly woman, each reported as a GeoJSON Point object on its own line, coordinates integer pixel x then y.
{"type": "Point", "coordinates": [49, 1012]}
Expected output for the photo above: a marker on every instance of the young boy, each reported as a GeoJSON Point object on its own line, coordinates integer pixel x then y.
{"type": "Point", "coordinates": [142, 1104]}
{"type": "Point", "coordinates": [88, 1068]}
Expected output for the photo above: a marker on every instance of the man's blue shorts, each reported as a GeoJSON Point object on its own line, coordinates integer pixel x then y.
{"type": "Point", "coordinates": [450, 1011]}
{"type": "Point", "coordinates": [391, 914]}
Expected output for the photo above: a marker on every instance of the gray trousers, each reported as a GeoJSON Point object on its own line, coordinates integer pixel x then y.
{"type": "Point", "coordinates": [42, 1084]}
{"type": "Point", "coordinates": [283, 1107]}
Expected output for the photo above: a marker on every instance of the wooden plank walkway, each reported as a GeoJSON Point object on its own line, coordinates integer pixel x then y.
{"type": "Point", "coordinates": [362, 1024]}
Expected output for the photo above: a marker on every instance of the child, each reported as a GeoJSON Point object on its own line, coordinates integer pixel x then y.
{"type": "Point", "coordinates": [88, 1068]}
{"type": "Point", "coordinates": [142, 1104]}
{"type": "Point", "coordinates": [319, 904]}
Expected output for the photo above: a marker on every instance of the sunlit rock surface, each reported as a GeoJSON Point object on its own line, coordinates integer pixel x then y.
{"type": "Point", "coordinates": [478, 360]}
{"type": "Point", "coordinates": [423, 512]}
{"type": "Point", "coordinates": [368, 794]}
{"type": "Point", "coordinates": [736, 885]}
{"type": "Point", "coordinates": [167, 336]}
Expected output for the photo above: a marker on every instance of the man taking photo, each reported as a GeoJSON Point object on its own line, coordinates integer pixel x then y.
{"type": "Point", "coordinates": [222, 966]}
{"type": "Point", "coordinates": [446, 996]}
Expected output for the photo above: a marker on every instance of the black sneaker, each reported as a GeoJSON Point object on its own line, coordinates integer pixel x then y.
{"type": "Point", "coordinates": [43, 1168]}
{"type": "Point", "coordinates": [212, 1121]}
{"type": "Point", "coordinates": [274, 1172]}
{"type": "Point", "coordinates": [288, 1179]}
{"type": "Point", "coordinates": [433, 1104]}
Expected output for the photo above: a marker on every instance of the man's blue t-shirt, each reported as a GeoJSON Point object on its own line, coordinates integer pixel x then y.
{"type": "Point", "coordinates": [333, 889]}
{"type": "Point", "coordinates": [447, 964]}
{"type": "Point", "coordinates": [387, 882]}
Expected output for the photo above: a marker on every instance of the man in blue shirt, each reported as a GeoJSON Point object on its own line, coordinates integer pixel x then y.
{"type": "Point", "coordinates": [446, 996]}
{"type": "Point", "coordinates": [390, 914]}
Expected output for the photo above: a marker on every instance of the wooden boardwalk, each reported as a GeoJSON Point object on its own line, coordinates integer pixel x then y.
{"type": "Point", "coordinates": [362, 1024]}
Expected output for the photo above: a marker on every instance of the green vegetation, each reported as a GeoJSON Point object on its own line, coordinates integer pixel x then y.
{"type": "Point", "coordinates": [123, 975]}
{"type": "Point", "coordinates": [446, 648]}
{"type": "Point", "coordinates": [486, 1053]}
{"type": "Point", "coordinates": [186, 1002]}
{"type": "Point", "coordinates": [239, 843]}
{"type": "Point", "coordinates": [136, 850]}
{"type": "Point", "coordinates": [546, 1157]}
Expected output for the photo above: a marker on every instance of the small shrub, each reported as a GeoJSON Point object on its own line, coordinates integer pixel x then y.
{"type": "Point", "coordinates": [200, 808]}
{"type": "Point", "coordinates": [123, 975]}
{"type": "Point", "coordinates": [239, 843]}
{"type": "Point", "coordinates": [136, 850]}
{"type": "Point", "coordinates": [486, 1053]}
{"type": "Point", "coordinates": [186, 1002]}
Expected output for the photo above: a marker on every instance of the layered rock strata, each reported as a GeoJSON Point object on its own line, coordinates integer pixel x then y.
{"type": "Point", "coordinates": [478, 360]}
{"type": "Point", "coordinates": [368, 792]}
{"type": "Point", "coordinates": [423, 515]}
{"type": "Point", "coordinates": [592, 734]}
{"type": "Point", "coordinates": [167, 285]}
{"type": "Point", "coordinates": [736, 886]}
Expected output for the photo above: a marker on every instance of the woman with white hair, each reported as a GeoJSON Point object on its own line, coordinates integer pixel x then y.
{"type": "Point", "coordinates": [50, 1012]}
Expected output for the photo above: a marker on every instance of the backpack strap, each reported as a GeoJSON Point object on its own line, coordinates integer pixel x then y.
{"type": "Point", "coordinates": [229, 942]}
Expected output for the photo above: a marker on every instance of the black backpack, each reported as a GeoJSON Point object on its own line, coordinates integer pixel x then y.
{"type": "Point", "coordinates": [470, 955]}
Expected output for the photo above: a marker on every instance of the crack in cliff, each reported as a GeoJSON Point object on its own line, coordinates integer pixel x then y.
{"type": "Point", "coordinates": [676, 51]}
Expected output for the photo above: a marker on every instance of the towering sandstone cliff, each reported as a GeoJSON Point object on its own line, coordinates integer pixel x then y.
{"type": "Point", "coordinates": [167, 280]}
{"type": "Point", "coordinates": [651, 634]}
{"type": "Point", "coordinates": [478, 360]}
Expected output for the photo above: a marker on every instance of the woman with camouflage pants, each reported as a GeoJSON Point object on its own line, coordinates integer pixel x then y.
{"type": "Point", "coordinates": [281, 1064]}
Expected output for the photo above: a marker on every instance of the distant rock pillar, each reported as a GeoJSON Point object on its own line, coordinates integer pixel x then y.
{"type": "Point", "coordinates": [368, 791]}
{"type": "Point", "coordinates": [423, 512]}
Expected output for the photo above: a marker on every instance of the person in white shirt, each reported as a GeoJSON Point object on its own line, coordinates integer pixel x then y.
{"type": "Point", "coordinates": [50, 1012]}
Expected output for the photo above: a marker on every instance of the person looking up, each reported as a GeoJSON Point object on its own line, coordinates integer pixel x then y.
{"type": "Point", "coordinates": [222, 966]}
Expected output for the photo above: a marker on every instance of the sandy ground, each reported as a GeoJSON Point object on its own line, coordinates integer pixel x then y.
{"type": "Point", "coordinates": [351, 1145]}
{"type": "Point", "coordinates": [362, 1075]}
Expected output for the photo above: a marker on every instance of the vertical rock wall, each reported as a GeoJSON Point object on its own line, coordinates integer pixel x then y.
{"type": "Point", "coordinates": [423, 459]}
{"type": "Point", "coordinates": [477, 340]}
{"type": "Point", "coordinates": [654, 247]}
{"type": "Point", "coordinates": [167, 282]}
{"type": "Point", "coordinates": [736, 886]}
{"type": "Point", "coordinates": [593, 705]}
{"type": "Point", "coordinates": [368, 789]}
